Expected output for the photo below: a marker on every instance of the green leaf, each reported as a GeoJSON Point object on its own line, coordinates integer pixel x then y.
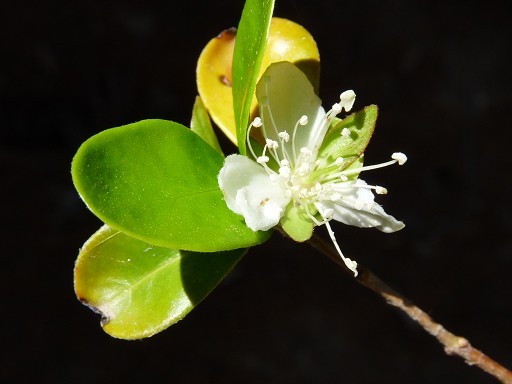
{"type": "Point", "coordinates": [140, 289]}
{"type": "Point", "coordinates": [361, 126]}
{"type": "Point", "coordinates": [251, 39]}
{"type": "Point", "coordinates": [156, 180]}
{"type": "Point", "coordinates": [202, 126]}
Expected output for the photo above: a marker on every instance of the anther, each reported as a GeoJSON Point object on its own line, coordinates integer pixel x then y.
{"type": "Point", "coordinates": [262, 159]}
{"type": "Point", "coordinates": [343, 177]}
{"type": "Point", "coordinates": [272, 144]}
{"type": "Point", "coordinates": [284, 136]}
{"type": "Point", "coordinates": [303, 120]}
{"type": "Point", "coordinates": [339, 161]}
{"type": "Point", "coordinates": [381, 190]}
{"type": "Point", "coordinates": [400, 157]}
{"type": "Point", "coordinates": [257, 122]}
{"type": "Point", "coordinates": [347, 99]}
{"type": "Point", "coordinates": [328, 214]}
{"type": "Point", "coordinates": [345, 132]}
{"type": "Point", "coordinates": [336, 108]}
{"type": "Point", "coordinates": [352, 265]}
{"type": "Point", "coordinates": [284, 172]}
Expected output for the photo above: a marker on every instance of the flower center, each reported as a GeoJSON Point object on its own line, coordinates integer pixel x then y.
{"type": "Point", "coordinates": [310, 182]}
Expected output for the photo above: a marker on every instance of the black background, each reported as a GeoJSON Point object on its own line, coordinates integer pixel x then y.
{"type": "Point", "coordinates": [441, 75]}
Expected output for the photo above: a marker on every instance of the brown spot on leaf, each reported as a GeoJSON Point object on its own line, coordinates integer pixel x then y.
{"type": "Point", "coordinates": [227, 34]}
{"type": "Point", "coordinates": [104, 318]}
{"type": "Point", "coordinates": [225, 80]}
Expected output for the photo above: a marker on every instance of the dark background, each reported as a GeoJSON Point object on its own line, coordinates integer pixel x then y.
{"type": "Point", "coordinates": [441, 75]}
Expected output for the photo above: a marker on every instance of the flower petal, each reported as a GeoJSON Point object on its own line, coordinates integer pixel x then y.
{"type": "Point", "coordinates": [358, 208]}
{"type": "Point", "coordinates": [285, 95]}
{"type": "Point", "coordinates": [249, 192]}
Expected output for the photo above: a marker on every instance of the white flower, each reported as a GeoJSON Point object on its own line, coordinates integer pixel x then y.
{"type": "Point", "coordinates": [289, 170]}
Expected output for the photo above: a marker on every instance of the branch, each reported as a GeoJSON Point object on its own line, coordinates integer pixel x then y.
{"type": "Point", "coordinates": [453, 345]}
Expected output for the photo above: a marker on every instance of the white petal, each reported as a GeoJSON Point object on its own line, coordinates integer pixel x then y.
{"type": "Point", "coordinates": [249, 191]}
{"type": "Point", "coordinates": [358, 208]}
{"type": "Point", "coordinates": [285, 95]}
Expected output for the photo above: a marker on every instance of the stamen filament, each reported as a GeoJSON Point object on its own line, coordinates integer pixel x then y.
{"type": "Point", "coordinates": [267, 104]}
{"type": "Point", "coordinates": [349, 172]}
{"type": "Point", "coordinates": [284, 137]}
{"type": "Point", "coordinates": [299, 122]}
{"type": "Point", "coordinates": [351, 264]}
{"type": "Point", "coordinates": [256, 123]}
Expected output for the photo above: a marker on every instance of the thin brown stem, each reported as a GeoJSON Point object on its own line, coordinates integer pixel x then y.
{"type": "Point", "coordinates": [453, 344]}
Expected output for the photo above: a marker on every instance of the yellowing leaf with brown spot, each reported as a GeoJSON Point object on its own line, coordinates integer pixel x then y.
{"type": "Point", "coordinates": [288, 41]}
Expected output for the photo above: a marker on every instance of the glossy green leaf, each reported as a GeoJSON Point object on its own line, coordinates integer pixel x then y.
{"type": "Point", "coordinates": [140, 289]}
{"type": "Point", "coordinates": [156, 180]}
{"type": "Point", "coordinates": [361, 125]}
{"type": "Point", "coordinates": [202, 126]}
{"type": "Point", "coordinates": [251, 39]}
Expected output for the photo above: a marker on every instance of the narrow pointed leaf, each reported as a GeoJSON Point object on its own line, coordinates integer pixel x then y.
{"type": "Point", "coordinates": [156, 180]}
{"type": "Point", "coordinates": [140, 289]}
{"type": "Point", "coordinates": [251, 39]}
{"type": "Point", "coordinates": [202, 126]}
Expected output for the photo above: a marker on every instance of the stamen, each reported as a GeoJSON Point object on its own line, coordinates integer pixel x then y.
{"type": "Point", "coordinates": [345, 132]}
{"type": "Point", "coordinates": [313, 218]}
{"type": "Point", "coordinates": [285, 171]}
{"type": "Point", "coordinates": [400, 157]}
{"type": "Point", "coordinates": [302, 121]}
{"type": "Point", "coordinates": [284, 136]}
{"type": "Point", "coordinates": [255, 123]}
{"type": "Point", "coordinates": [339, 161]}
{"type": "Point", "coordinates": [347, 99]}
{"type": "Point", "coordinates": [349, 172]}
{"type": "Point", "coordinates": [381, 190]}
{"type": "Point", "coordinates": [262, 159]}
{"type": "Point", "coordinates": [335, 109]}
{"type": "Point", "coordinates": [272, 144]}
{"type": "Point", "coordinates": [267, 105]}
{"type": "Point", "coordinates": [328, 214]}
{"type": "Point", "coordinates": [351, 264]}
